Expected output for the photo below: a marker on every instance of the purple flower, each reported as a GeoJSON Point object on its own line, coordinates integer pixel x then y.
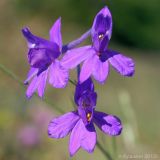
{"type": "Point", "coordinates": [97, 56]}
{"type": "Point", "coordinates": [42, 57]}
{"type": "Point", "coordinates": [80, 122]}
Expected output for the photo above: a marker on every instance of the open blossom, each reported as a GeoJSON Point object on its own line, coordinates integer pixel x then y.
{"type": "Point", "coordinates": [97, 56]}
{"type": "Point", "coordinates": [80, 122]}
{"type": "Point", "coordinates": [43, 59]}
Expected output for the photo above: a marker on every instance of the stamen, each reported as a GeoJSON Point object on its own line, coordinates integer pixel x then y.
{"type": "Point", "coordinates": [89, 117]}
{"type": "Point", "coordinates": [101, 36]}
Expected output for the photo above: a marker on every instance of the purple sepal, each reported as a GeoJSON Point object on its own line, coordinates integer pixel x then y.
{"type": "Point", "coordinates": [122, 64]}
{"type": "Point", "coordinates": [75, 56]}
{"type": "Point", "coordinates": [32, 72]}
{"type": "Point", "coordinates": [61, 126]}
{"type": "Point", "coordinates": [58, 75]}
{"type": "Point", "coordinates": [55, 33]}
{"type": "Point", "coordinates": [109, 124]}
{"type": "Point", "coordinates": [82, 136]}
{"type": "Point", "coordinates": [37, 83]}
{"type": "Point", "coordinates": [100, 70]}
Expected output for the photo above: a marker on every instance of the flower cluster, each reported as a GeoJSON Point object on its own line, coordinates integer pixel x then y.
{"type": "Point", "coordinates": [51, 61]}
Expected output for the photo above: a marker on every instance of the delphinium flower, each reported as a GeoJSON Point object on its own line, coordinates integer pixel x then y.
{"type": "Point", "coordinates": [97, 56]}
{"type": "Point", "coordinates": [43, 59]}
{"type": "Point", "coordinates": [80, 122]}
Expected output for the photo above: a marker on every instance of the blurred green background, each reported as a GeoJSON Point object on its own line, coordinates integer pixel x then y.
{"type": "Point", "coordinates": [136, 33]}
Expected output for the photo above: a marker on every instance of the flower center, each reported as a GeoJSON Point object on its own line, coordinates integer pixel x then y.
{"type": "Point", "coordinates": [98, 54]}
{"type": "Point", "coordinates": [85, 104]}
{"type": "Point", "coordinates": [89, 115]}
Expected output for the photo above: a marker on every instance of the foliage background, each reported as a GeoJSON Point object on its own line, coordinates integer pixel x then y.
{"type": "Point", "coordinates": [136, 33]}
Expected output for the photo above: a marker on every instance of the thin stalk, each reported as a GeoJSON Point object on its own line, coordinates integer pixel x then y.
{"type": "Point", "coordinates": [107, 155]}
{"type": "Point", "coordinates": [10, 74]}
{"type": "Point", "coordinates": [16, 78]}
{"type": "Point", "coordinates": [48, 101]}
{"type": "Point", "coordinates": [76, 42]}
{"type": "Point", "coordinates": [72, 82]}
{"type": "Point", "coordinates": [114, 147]}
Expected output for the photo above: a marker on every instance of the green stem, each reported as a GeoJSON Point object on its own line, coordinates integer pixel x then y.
{"type": "Point", "coordinates": [72, 82]}
{"type": "Point", "coordinates": [107, 155]}
{"type": "Point", "coordinates": [10, 74]}
{"type": "Point", "coordinates": [14, 77]}
{"type": "Point", "coordinates": [114, 147]}
{"type": "Point", "coordinates": [47, 101]}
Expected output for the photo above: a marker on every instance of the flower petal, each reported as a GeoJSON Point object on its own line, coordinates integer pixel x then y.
{"type": "Point", "coordinates": [55, 33]}
{"type": "Point", "coordinates": [39, 58]}
{"type": "Point", "coordinates": [88, 139]}
{"type": "Point", "coordinates": [82, 137]}
{"type": "Point", "coordinates": [38, 82]}
{"type": "Point", "coordinates": [86, 69]}
{"type": "Point", "coordinates": [75, 139]}
{"type": "Point", "coordinates": [58, 76]}
{"type": "Point", "coordinates": [35, 41]}
{"type": "Point", "coordinates": [86, 113]}
{"type": "Point", "coordinates": [109, 124]}
{"type": "Point", "coordinates": [83, 87]}
{"type": "Point", "coordinates": [32, 72]}
{"type": "Point", "coordinates": [102, 29]}
{"type": "Point", "coordinates": [103, 22]}
{"type": "Point", "coordinates": [100, 69]}
{"type": "Point", "coordinates": [61, 126]}
{"type": "Point", "coordinates": [32, 87]}
{"type": "Point", "coordinates": [42, 83]}
{"type": "Point", "coordinates": [75, 56]}
{"type": "Point", "coordinates": [36, 44]}
{"type": "Point", "coordinates": [31, 39]}
{"type": "Point", "coordinates": [122, 64]}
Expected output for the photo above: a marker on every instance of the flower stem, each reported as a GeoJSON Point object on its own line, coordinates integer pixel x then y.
{"type": "Point", "coordinates": [47, 101]}
{"type": "Point", "coordinates": [10, 74]}
{"type": "Point", "coordinates": [107, 155]}
{"type": "Point", "coordinates": [114, 147]}
{"type": "Point", "coordinates": [76, 42]}
{"type": "Point", "coordinates": [16, 78]}
{"type": "Point", "coordinates": [72, 82]}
